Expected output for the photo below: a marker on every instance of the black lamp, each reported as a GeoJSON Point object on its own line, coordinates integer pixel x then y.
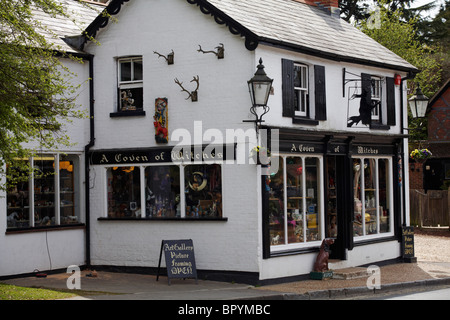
{"type": "Point", "coordinates": [418, 104]}
{"type": "Point", "coordinates": [259, 86]}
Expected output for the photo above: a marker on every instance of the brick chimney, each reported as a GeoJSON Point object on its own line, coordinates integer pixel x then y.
{"type": "Point", "coordinates": [330, 6]}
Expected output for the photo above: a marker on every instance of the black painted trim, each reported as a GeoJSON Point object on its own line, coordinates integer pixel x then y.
{"type": "Point", "coordinates": [251, 39]}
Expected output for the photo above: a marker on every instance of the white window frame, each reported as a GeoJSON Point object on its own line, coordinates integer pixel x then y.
{"type": "Point", "coordinates": [320, 196]}
{"type": "Point", "coordinates": [376, 88]}
{"type": "Point", "coordinates": [57, 193]}
{"type": "Point", "coordinates": [365, 236]}
{"type": "Point", "coordinates": [303, 91]}
{"type": "Point", "coordinates": [130, 84]}
{"type": "Point", "coordinates": [142, 184]}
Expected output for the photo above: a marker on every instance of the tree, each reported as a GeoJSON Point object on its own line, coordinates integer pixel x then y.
{"type": "Point", "coordinates": [401, 37]}
{"type": "Point", "coordinates": [36, 97]}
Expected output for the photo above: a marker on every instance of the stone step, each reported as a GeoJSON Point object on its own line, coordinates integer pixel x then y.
{"type": "Point", "coordinates": [350, 273]}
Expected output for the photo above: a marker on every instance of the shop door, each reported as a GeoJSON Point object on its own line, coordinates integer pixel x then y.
{"type": "Point", "coordinates": [335, 204]}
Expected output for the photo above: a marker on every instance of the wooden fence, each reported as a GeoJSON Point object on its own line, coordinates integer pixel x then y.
{"type": "Point", "coordinates": [429, 209]}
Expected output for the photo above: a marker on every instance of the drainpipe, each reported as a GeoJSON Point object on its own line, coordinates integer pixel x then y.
{"type": "Point", "coordinates": [87, 148]}
{"type": "Point", "coordinates": [411, 75]}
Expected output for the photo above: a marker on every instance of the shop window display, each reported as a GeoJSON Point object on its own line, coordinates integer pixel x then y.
{"type": "Point", "coordinates": [294, 216]}
{"type": "Point", "coordinates": [124, 192]}
{"type": "Point", "coordinates": [371, 196]}
{"type": "Point", "coordinates": [203, 191]}
{"type": "Point", "coordinates": [18, 200]}
{"type": "Point", "coordinates": [162, 191]}
{"type": "Point", "coordinates": [55, 200]}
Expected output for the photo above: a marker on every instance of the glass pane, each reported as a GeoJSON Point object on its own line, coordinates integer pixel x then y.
{"type": "Point", "coordinates": [162, 191]}
{"type": "Point", "coordinates": [18, 200]}
{"type": "Point", "coordinates": [357, 222]}
{"type": "Point", "coordinates": [370, 201]}
{"type": "Point", "coordinates": [124, 194]}
{"type": "Point", "coordinates": [131, 99]}
{"type": "Point", "coordinates": [137, 70]}
{"type": "Point", "coordinates": [125, 71]}
{"type": "Point", "coordinates": [44, 191]}
{"type": "Point", "coordinates": [203, 191]}
{"type": "Point", "coordinates": [331, 217]}
{"type": "Point", "coordinates": [69, 209]}
{"type": "Point", "coordinates": [294, 173]}
{"type": "Point", "coordinates": [312, 199]}
{"type": "Point", "coordinates": [383, 195]}
{"type": "Point", "coordinates": [275, 183]}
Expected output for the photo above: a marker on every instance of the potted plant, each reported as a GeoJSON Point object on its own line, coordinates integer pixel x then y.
{"type": "Point", "coordinates": [420, 155]}
{"type": "Point", "coordinates": [261, 155]}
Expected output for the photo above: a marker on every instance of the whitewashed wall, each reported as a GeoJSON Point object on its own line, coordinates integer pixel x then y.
{"type": "Point", "coordinates": [223, 102]}
{"type": "Point", "coordinates": [22, 253]}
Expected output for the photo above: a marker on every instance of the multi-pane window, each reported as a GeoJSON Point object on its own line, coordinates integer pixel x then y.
{"type": "Point", "coordinates": [164, 191]}
{"type": "Point", "coordinates": [372, 196]}
{"type": "Point", "coordinates": [376, 91]}
{"type": "Point", "coordinates": [130, 84]}
{"type": "Point", "coordinates": [49, 197]}
{"type": "Point", "coordinates": [301, 97]}
{"type": "Point", "coordinates": [294, 202]}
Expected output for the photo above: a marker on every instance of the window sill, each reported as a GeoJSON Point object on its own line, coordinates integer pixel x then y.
{"type": "Point", "coordinates": [305, 121]}
{"type": "Point", "coordinates": [165, 219]}
{"type": "Point", "coordinates": [379, 126]}
{"type": "Point", "coordinates": [46, 228]}
{"type": "Point", "coordinates": [120, 114]}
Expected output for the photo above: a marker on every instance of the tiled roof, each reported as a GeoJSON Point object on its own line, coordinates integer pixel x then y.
{"type": "Point", "coordinates": [308, 29]}
{"type": "Point", "coordinates": [285, 23]}
{"type": "Point", "coordinates": [55, 28]}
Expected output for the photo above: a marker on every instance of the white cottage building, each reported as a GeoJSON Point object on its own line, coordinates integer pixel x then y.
{"type": "Point", "coordinates": [166, 154]}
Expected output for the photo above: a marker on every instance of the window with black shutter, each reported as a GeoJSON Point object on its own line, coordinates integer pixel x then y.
{"type": "Point", "coordinates": [300, 102]}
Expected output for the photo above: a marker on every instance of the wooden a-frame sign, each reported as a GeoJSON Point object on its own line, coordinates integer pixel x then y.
{"type": "Point", "coordinates": [180, 259]}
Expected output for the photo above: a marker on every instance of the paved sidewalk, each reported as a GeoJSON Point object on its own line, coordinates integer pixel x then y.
{"type": "Point", "coordinates": [125, 286]}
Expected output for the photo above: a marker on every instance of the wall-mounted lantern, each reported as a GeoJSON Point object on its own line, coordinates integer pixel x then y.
{"type": "Point", "coordinates": [418, 104]}
{"type": "Point", "coordinates": [259, 87]}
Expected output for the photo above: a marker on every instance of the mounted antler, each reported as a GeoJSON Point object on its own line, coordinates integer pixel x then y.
{"type": "Point", "coordinates": [193, 94]}
{"type": "Point", "coordinates": [220, 51]}
{"type": "Point", "coordinates": [169, 58]}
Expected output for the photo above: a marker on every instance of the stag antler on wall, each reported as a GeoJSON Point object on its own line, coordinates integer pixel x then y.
{"type": "Point", "coordinates": [220, 51]}
{"type": "Point", "coordinates": [193, 94]}
{"type": "Point", "coordinates": [169, 58]}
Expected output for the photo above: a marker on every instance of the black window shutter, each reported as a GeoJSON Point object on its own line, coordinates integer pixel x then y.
{"type": "Point", "coordinates": [288, 87]}
{"type": "Point", "coordinates": [320, 94]}
{"type": "Point", "coordinates": [365, 109]}
{"type": "Point", "coordinates": [390, 101]}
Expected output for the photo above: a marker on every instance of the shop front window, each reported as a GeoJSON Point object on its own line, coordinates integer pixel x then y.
{"type": "Point", "coordinates": [165, 191]}
{"type": "Point", "coordinates": [294, 205]}
{"type": "Point", "coordinates": [162, 191]}
{"type": "Point", "coordinates": [124, 192]}
{"type": "Point", "coordinates": [48, 197]}
{"type": "Point", "coordinates": [203, 191]}
{"type": "Point", "coordinates": [18, 199]}
{"type": "Point", "coordinates": [372, 197]}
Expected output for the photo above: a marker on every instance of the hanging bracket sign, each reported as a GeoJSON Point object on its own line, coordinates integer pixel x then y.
{"type": "Point", "coordinates": [180, 259]}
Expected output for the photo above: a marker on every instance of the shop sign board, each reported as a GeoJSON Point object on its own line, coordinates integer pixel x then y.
{"type": "Point", "coordinates": [213, 153]}
{"type": "Point", "coordinates": [408, 242]}
{"type": "Point", "coordinates": [180, 259]}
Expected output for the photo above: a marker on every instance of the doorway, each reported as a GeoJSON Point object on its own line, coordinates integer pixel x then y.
{"type": "Point", "coordinates": [335, 191]}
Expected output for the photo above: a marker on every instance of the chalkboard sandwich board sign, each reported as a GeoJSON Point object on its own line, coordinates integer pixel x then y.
{"type": "Point", "coordinates": [180, 259]}
{"type": "Point", "coordinates": [408, 244]}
